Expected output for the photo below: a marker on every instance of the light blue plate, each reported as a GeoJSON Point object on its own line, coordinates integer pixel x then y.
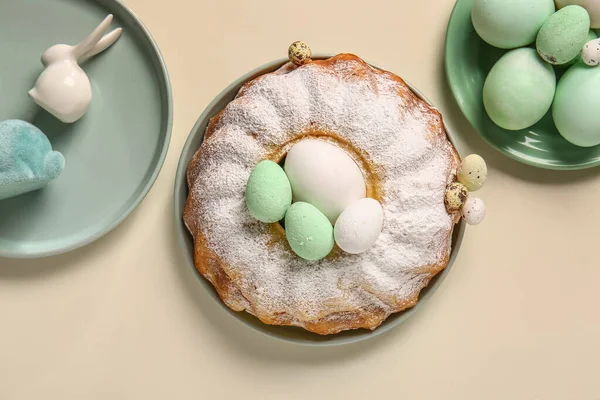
{"type": "Point", "coordinates": [113, 154]}
{"type": "Point", "coordinates": [290, 334]}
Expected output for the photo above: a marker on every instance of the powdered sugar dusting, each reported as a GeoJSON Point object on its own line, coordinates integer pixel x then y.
{"type": "Point", "coordinates": [395, 134]}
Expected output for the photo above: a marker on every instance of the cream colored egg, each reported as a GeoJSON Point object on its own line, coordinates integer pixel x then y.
{"type": "Point", "coordinates": [591, 53]}
{"type": "Point", "coordinates": [592, 7]}
{"type": "Point", "coordinates": [473, 172]}
{"type": "Point", "coordinates": [359, 226]}
{"type": "Point", "coordinates": [324, 175]}
{"type": "Point", "coordinates": [473, 211]}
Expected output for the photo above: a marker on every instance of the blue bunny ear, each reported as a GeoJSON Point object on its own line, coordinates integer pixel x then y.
{"type": "Point", "coordinates": [54, 165]}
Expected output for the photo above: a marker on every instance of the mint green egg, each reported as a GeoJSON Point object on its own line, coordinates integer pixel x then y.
{"type": "Point", "coordinates": [591, 36]}
{"type": "Point", "coordinates": [563, 35]}
{"type": "Point", "coordinates": [308, 231]}
{"type": "Point", "coordinates": [576, 105]}
{"type": "Point", "coordinates": [509, 24]}
{"type": "Point", "coordinates": [519, 89]}
{"type": "Point", "coordinates": [268, 192]}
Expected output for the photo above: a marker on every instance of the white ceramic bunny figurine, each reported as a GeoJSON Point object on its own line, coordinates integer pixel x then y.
{"type": "Point", "coordinates": [63, 89]}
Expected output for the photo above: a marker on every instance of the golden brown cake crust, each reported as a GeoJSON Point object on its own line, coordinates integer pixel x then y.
{"type": "Point", "coordinates": [367, 309]}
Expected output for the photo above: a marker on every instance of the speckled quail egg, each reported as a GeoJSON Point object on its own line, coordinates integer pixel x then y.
{"type": "Point", "coordinates": [299, 53]}
{"type": "Point", "coordinates": [473, 211]}
{"type": "Point", "coordinates": [591, 53]}
{"type": "Point", "coordinates": [473, 172]}
{"type": "Point", "coordinates": [456, 196]}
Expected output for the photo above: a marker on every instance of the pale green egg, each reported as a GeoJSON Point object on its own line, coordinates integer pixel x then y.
{"type": "Point", "coordinates": [268, 192]}
{"type": "Point", "coordinates": [563, 35]}
{"type": "Point", "coordinates": [472, 172]}
{"type": "Point", "coordinates": [591, 36]}
{"type": "Point", "coordinates": [308, 231]}
{"type": "Point", "coordinates": [519, 89]}
{"type": "Point", "coordinates": [509, 24]}
{"type": "Point", "coordinates": [576, 105]}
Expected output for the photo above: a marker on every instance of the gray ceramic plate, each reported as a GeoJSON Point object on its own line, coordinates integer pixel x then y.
{"type": "Point", "coordinates": [113, 154]}
{"type": "Point", "coordinates": [290, 334]}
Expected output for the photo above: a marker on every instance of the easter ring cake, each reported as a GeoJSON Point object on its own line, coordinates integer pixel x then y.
{"type": "Point", "coordinates": [400, 145]}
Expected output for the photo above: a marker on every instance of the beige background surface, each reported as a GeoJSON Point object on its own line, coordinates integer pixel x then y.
{"type": "Point", "coordinates": [125, 318]}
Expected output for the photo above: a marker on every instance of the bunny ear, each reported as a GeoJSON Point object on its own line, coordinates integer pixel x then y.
{"type": "Point", "coordinates": [103, 44]}
{"type": "Point", "coordinates": [88, 43]}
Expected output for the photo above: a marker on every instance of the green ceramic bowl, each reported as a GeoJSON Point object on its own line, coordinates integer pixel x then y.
{"type": "Point", "coordinates": [468, 61]}
{"type": "Point", "coordinates": [290, 334]}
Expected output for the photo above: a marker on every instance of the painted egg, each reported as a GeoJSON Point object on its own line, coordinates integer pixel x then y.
{"type": "Point", "coordinates": [325, 176]}
{"type": "Point", "coordinates": [473, 211]}
{"type": "Point", "coordinates": [591, 53]}
{"type": "Point", "coordinates": [591, 36]}
{"type": "Point", "coordinates": [592, 7]}
{"type": "Point", "coordinates": [576, 105]}
{"type": "Point", "coordinates": [359, 226]}
{"type": "Point", "coordinates": [472, 172]}
{"type": "Point", "coordinates": [308, 231]}
{"type": "Point", "coordinates": [509, 24]}
{"type": "Point", "coordinates": [519, 89]}
{"type": "Point", "coordinates": [268, 192]}
{"type": "Point", "coordinates": [563, 35]}
{"type": "Point", "coordinates": [456, 196]}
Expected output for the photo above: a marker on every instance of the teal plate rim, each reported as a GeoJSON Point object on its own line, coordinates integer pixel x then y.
{"type": "Point", "coordinates": [515, 155]}
{"type": "Point", "coordinates": [118, 8]}
{"type": "Point", "coordinates": [288, 334]}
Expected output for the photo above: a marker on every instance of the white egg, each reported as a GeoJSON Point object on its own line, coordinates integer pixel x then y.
{"type": "Point", "coordinates": [473, 211]}
{"type": "Point", "coordinates": [325, 176]}
{"type": "Point", "coordinates": [591, 53]}
{"type": "Point", "coordinates": [359, 226]}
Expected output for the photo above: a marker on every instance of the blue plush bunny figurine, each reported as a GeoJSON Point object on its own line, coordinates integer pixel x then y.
{"type": "Point", "coordinates": [27, 161]}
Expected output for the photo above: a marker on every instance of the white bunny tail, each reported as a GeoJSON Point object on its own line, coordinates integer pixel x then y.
{"type": "Point", "coordinates": [103, 44]}
{"type": "Point", "coordinates": [89, 42]}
